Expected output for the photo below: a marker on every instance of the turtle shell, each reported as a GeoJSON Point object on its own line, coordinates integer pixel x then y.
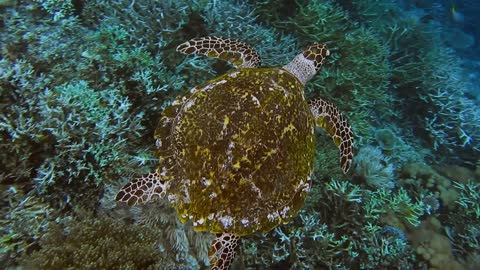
{"type": "Point", "coordinates": [238, 151]}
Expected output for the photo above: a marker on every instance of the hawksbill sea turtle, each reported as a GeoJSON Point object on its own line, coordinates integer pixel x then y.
{"type": "Point", "coordinates": [236, 153]}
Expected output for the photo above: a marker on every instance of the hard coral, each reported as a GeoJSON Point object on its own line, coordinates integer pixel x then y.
{"type": "Point", "coordinates": [427, 78]}
{"type": "Point", "coordinates": [433, 246]}
{"type": "Point", "coordinates": [95, 244]}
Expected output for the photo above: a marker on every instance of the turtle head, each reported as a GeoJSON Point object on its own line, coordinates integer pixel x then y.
{"type": "Point", "coordinates": [306, 64]}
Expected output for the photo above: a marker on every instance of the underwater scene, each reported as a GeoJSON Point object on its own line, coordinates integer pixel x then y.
{"type": "Point", "coordinates": [225, 134]}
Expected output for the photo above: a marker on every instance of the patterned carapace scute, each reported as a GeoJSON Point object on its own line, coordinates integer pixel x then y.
{"type": "Point", "coordinates": [236, 153]}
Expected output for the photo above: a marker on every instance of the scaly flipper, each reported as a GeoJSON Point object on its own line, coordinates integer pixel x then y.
{"type": "Point", "coordinates": [239, 54]}
{"type": "Point", "coordinates": [222, 251]}
{"type": "Point", "coordinates": [329, 117]}
{"type": "Point", "coordinates": [144, 189]}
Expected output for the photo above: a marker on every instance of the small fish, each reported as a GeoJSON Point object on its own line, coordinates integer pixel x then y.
{"type": "Point", "coordinates": [457, 16]}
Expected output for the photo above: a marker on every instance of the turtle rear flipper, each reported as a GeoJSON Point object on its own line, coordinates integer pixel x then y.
{"type": "Point", "coordinates": [144, 189]}
{"type": "Point", "coordinates": [222, 251]}
{"type": "Point", "coordinates": [328, 117]}
{"type": "Point", "coordinates": [239, 54]}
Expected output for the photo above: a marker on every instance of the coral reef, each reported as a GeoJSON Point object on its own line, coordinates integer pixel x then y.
{"type": "Point", "coordinates": [82, 85]}
{"type": "Point", "coordinates": [357, 77]}
{"type": "Point", "coordinates": [96, 244]}
{"type": "Point", "coordinates": [175, 237]}
{"type": "Point", "coordinates": [426, 78]}
{"type": "Point", "coordinates": [343, 227]}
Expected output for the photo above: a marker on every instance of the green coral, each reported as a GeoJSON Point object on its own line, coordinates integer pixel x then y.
{"type": "Point", "coordinates": [96, 244]}
{"type": "Point", "coordinates": [343, 227]}
{"type": "Point", "coordinates": [74, 134]}
{"type": "Point", "coordinates": [58, 9]}
{"type": "Point", "coordinates": [427, 78]}
{"type": "Point", "coordinates": [23, 222]}
{"type": "Point", "coordinates": [386, 247]}
{"type": "Point", "coordinates": [469, 198]}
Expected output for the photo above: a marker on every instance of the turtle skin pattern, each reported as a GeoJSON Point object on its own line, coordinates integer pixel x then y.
{"type": "Point", "coordinates": [238, 150]}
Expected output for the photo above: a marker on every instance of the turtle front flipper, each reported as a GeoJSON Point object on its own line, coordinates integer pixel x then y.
{"type": "Point", "coordinates": [222, 251]}
{"type": "Point", "coordinates": [239, 54]}
{"type": "Point", "coordinates": [144, 189]}
{"type": "Point", "coordinates": [328, 117]}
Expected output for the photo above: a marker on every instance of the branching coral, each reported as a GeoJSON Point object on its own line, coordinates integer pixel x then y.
{"type": "Point", "coordinates": [76, 133]}
{"type": "Point", "coordinates": [343, 227]}
{"type": "Point", "coordinates": [426, 76]}
{"type": "Point", "coordinates": [58, 9]}
{"type": "Point", "coordinates": [396, 209]}
{"type": "Point", "coordinates": [275, 47]}
{"type": "Point", "coordinates": [96, 244]}
{"type": "Point", "coordinates": [469, 198]}
{"type": "Point", "coordinates": [386, 247]}
{"type": "Point", "coordinates": [24, 219]}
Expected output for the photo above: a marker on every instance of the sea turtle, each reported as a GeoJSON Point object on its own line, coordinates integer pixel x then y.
{"type": "Point", "coordinates": [236, 153]}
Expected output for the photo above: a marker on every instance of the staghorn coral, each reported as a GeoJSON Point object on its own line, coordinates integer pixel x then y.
{"type": "Point", "coordinates": [275, 46]}
{"type": "Point", "coordinates": [75, 133]}
{"type": "Point", "coordinates": [341, 227]}
{"type": "Point", "coordinates": [58, 9]}
{"type": "Point", "coordinates": [397, 209]}
{"type": "Point", "coordinates": [387, 247]}
{"type": "Point", "coordinates": [427, 78]}
{"type": "Point", "coordinates": [24, 219]}
{"type": "Point", "coordinates": [67, 139]}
